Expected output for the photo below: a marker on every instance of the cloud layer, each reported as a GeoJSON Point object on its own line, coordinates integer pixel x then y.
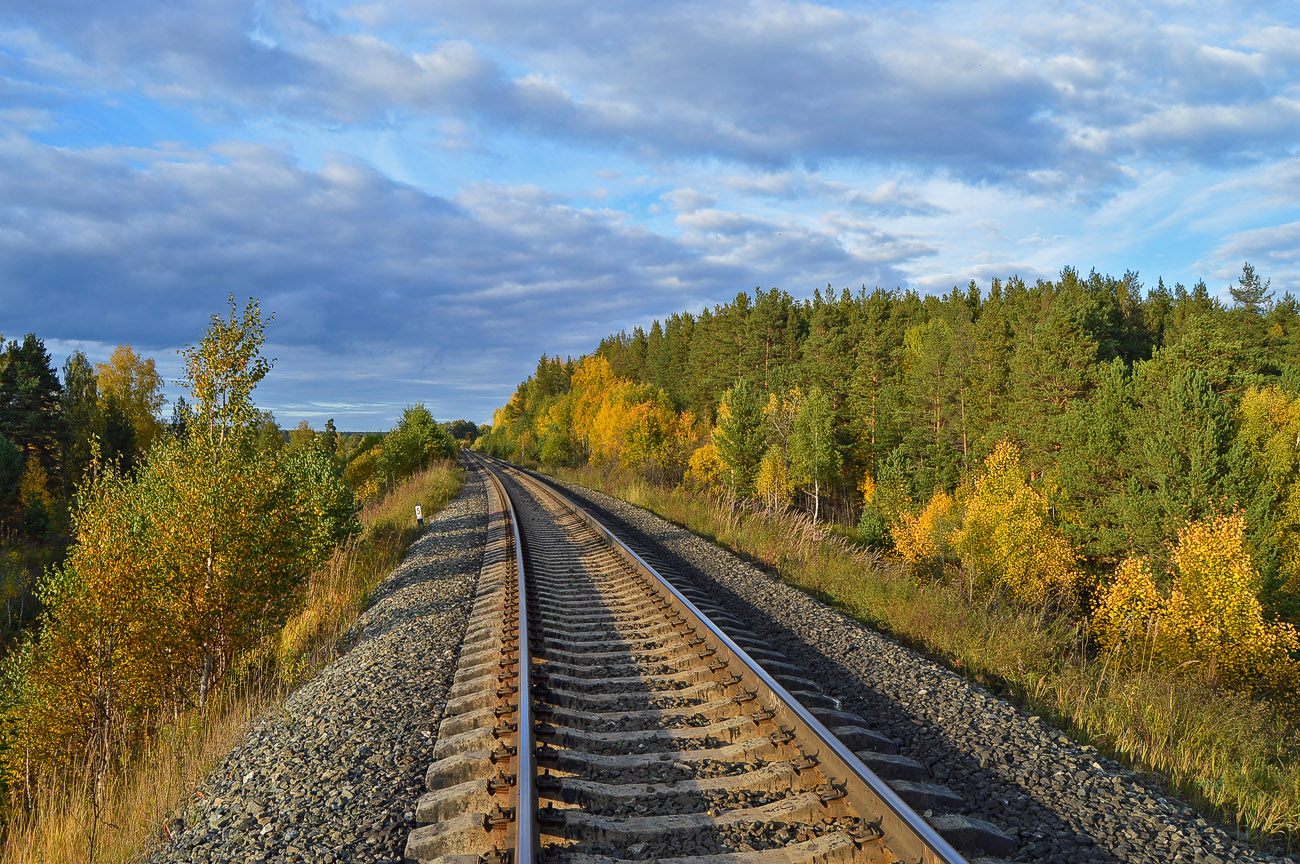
{"type": "Point", "coordinates": [414, 294]}
{"type": "Point", "coordinates": [1046, 95]}
{"type": "Point", "coordinates": [432, 194]}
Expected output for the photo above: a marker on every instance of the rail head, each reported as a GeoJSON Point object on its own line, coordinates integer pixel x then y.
{"type": "Point", "coordinates": [526, 826]}
{"type": "Point", "coordinates": [910, 836]}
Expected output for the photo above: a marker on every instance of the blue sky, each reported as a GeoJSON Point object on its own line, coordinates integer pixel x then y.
{"type": "Point", "coordinates": [431, 194]}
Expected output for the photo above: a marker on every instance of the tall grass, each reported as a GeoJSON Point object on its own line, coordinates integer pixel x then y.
{"type": "Point", "coordinates": [1224, 753]}
{"type": "Point", "coordinates": [119, 815]}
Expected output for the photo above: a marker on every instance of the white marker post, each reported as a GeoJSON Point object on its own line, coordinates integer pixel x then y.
{"type": "Point", "coordinates": [419, 516]}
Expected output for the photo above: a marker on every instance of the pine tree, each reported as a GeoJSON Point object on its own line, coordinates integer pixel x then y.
{"type": "Point", "coordinates": [1098, 462]}
{"type": "Point", "coordinates": [182, 416]}
{"type": "Point", "coordinates": [1158, 310]}
{"type": "Point", "coordinates": [775, 331]}
{"type": "Point", "coordinates": [11, 473]}
{"type": "Point", "coordinates": [872, 373]}
{"type": "Point", "coordinates": [1251, 296]}
{"type": "Point", "coordinates": [830, 349]}
{"type": "Point", "coordinates": [657, 356]}
{"type": "Point", "coordinates": [709, 367]}
{"type": "Point", "coordinates": [638, 357]}
{"type": "Point", "coordinates": [989, 372]}
{"type": "Point", "coordinates": [119, 441]}
{"type": "Point", "coordinates": [329, 438]}
{"type": "Point", "coordinates": [1179, 444]}
{"type": "Point", "coordinates": [1052, 368]}
{"type": "Point", "coordinates": [937, 358]}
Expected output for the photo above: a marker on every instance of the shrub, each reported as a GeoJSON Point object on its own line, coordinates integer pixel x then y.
{"type": "Point", "coordinates": [1009, 541]}
{"type": "Point", "coordinates": [706, 470]}
{"type": "Point", "coordinates": [923, 539]}
{"type": "Point", "coordinates": [1210, 620]}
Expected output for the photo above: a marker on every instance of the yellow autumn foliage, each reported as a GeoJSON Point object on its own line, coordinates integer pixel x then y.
{"type": "Point", "coordinates": [1129, 611]}
{"type": "Point", "coordinates": [179, 568]}
{"type": "Point", "coordinates": [590, 385]}
{"type": "Point", "coordinates": [1008, 540]}
{"type": "Point", "coordinates": [922, 539]}
{"type": "Point", "coordinates": [1269, 427]}
{"type": "Point", "coordinates": [774, 483]}
{"type": "Point", "coordinates": [779, 412]}
{"type": "Point", "coordinates": [133, 381]}
{"type": "Point", "coordinates": [1211, 618]}
{"type": "Point", "coordinates": [34, 486]}
{"type": "Point", "coordinates": [554, 433]}
{"type": "Point", "coordinates": [612, 420]}
{"type": "Point", "coordinates": [706, 470]}
{"type": "Point", "coordinates": [867, 486]}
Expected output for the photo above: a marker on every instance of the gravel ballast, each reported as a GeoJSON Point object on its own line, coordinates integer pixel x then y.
{"type": "Point", "coordinates": [334, 773]}
{"type": "Point", "coordinates": [1061, 801]}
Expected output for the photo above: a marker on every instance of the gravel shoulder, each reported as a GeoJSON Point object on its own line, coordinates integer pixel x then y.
{"type": "Point", "coordinates": [1061, 800]}
{"type": "Point", "coordinates": [334, 773]}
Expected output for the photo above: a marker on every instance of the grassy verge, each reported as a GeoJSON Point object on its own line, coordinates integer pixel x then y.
{"type": "Point", "coordinates": [119, 816]}
{"type": "Point", "coordinates": [1224, 753]}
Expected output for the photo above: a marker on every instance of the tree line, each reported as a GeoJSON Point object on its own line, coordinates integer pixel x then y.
{"type": "Point", "coordinates": [59, 427]}
{"type": "Point", "coordinates": [188, 543]}
{"type": "Point", "coordinates": [1082, 445]}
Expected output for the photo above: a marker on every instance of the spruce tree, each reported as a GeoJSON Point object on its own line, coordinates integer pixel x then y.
{"type": "Point", "coordinates": [31, 415]}
{"type": "Point", "coordinates": [740, 437]}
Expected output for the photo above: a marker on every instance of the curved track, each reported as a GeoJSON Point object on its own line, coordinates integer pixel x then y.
{"type": "Point", "coordinates": [598, 715]}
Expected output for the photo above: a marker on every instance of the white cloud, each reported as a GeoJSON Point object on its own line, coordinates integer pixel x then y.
{"type": "Point", "coordinates": [1273, 251]}
{"type": "Point", "coordinates": [888, 197]}
{"type": "Point", "coordinates": [1056, 99]}
{"type": "Point", "coordinates": [407, 285]}
{"type": "Point", "coordinates": [688, 200]}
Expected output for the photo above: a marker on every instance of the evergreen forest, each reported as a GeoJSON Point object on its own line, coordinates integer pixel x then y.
{"type": "Point", "coordinates": [1085, 448]}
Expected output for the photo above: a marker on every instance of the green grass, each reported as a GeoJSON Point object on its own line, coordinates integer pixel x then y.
{"type": "Point", "coordinates": [1226, 754]}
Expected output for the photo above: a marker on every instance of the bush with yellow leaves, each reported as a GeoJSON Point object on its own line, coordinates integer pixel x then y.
{"type": "Point", "coordinates": [1009, 542]}
{"type": "Point", "coordinates": [705, 471]}
{"type": "Point", "coordinates": [1210, 620]}
{"type": "Point", "coordinates": [1129, 612]}
{"type": "Point", "coordinates": [923, 538]}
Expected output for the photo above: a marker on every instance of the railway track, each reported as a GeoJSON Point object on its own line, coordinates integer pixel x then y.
{"type": "Point", "coordinates": [602, 714]}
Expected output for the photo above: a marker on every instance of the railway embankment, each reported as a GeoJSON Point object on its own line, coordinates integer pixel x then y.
{"type": "Point", "coordinates": [334, 774]}
{"type": "Point", "coordinates": [1062, 800]}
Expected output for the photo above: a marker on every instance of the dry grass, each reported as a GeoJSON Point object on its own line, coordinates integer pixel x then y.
{"type": "Point", "coordinates": [137, 797]}
{"type": "Point", "coordinates": [338, 593]}
{"type": "Point", "coordinates": [1225, 753]}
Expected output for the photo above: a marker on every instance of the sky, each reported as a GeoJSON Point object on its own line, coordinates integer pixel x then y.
{"type": "Point", "coordinates": [430, 195]}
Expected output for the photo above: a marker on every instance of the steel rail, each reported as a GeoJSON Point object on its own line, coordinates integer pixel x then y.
{"type": "Point", "coordinates": [908, 835]}
{"type": "Point", "coordinates": [526, 826]}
